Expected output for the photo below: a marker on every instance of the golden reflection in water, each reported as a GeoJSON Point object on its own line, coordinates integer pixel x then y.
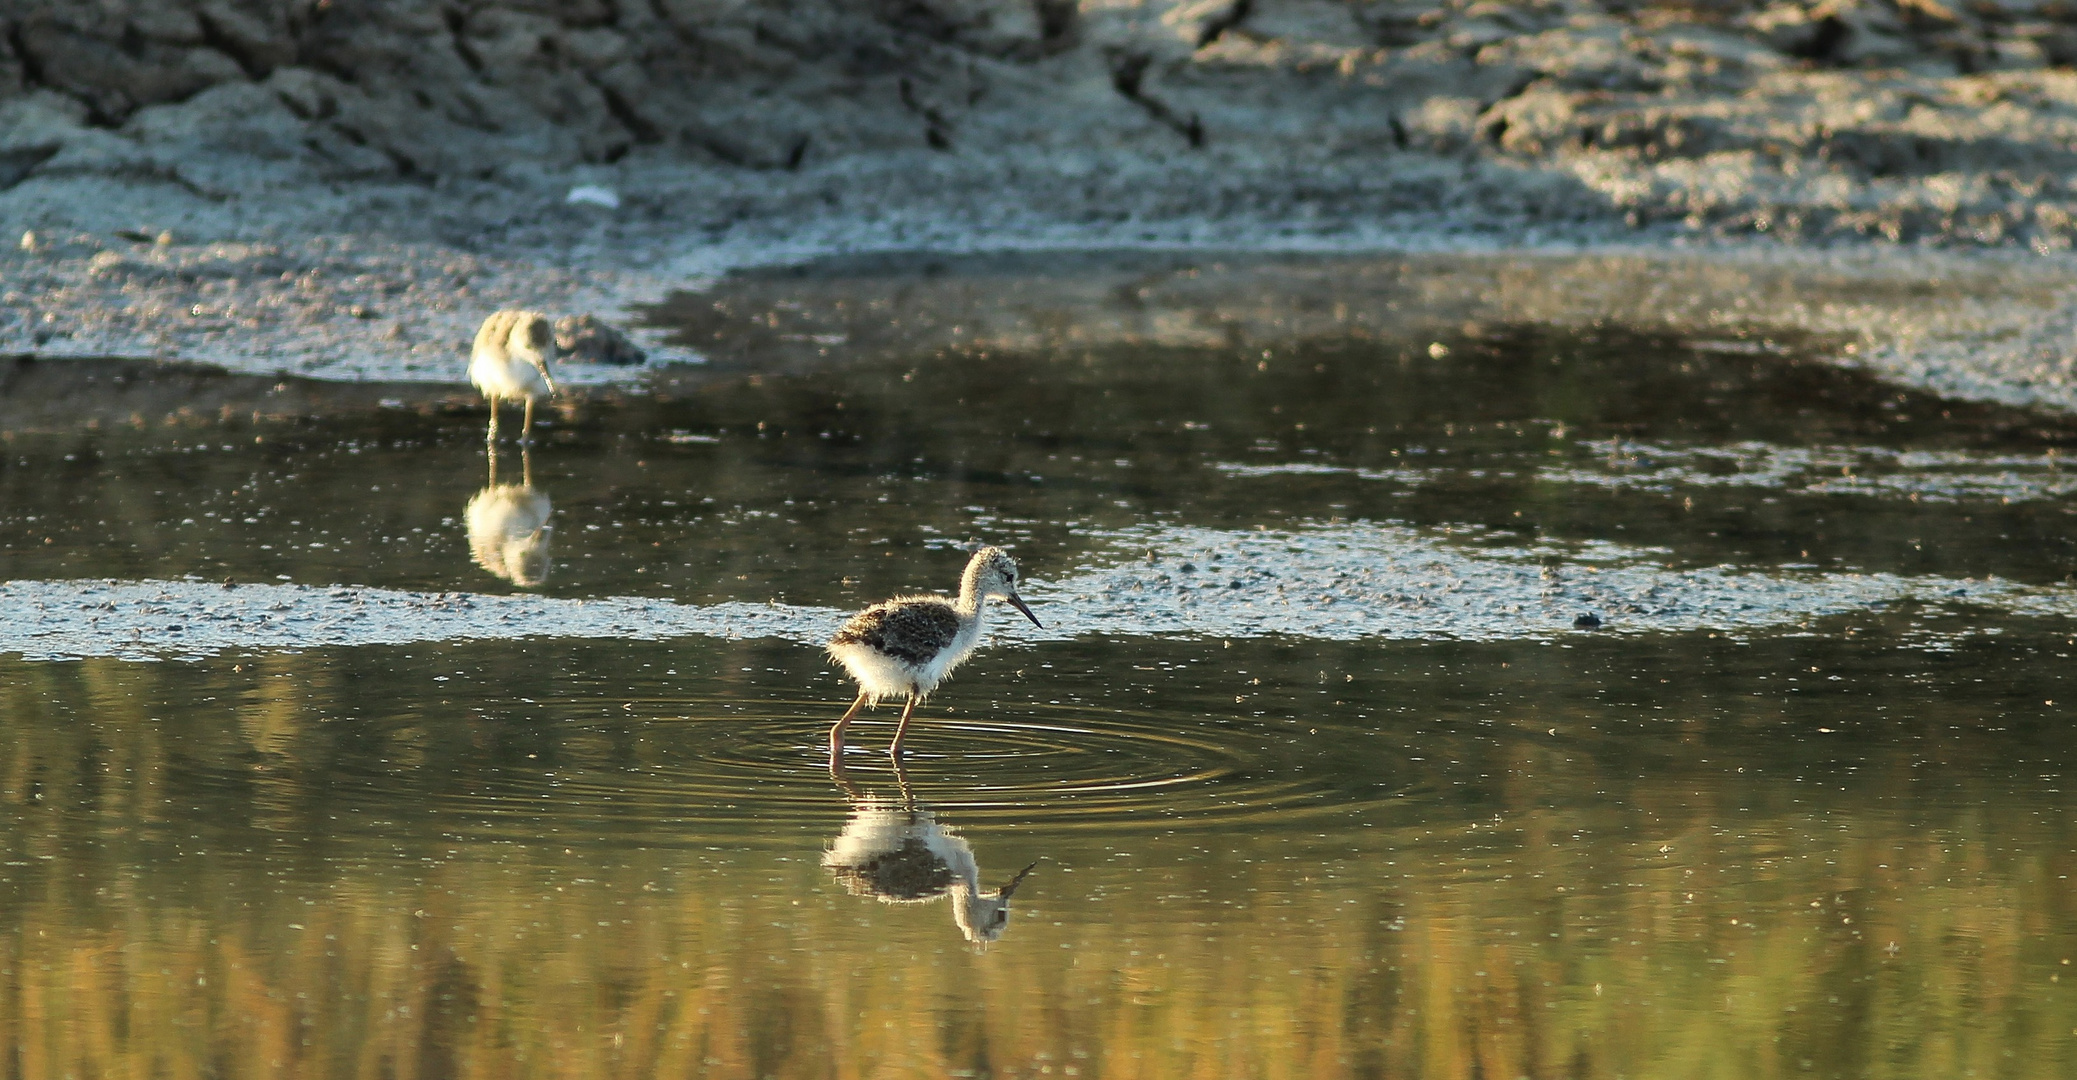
{"type": "Point", "coordinates": [262, 916]}
{"type": "Point", "coordinates": [508, 524]}
{"type": "Point", "coordinates": [897, 851]}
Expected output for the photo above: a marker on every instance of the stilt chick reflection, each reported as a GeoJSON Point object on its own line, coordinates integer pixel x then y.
{"type": "Point", "coordinates": [897, 851]}
{"type": "Point", "coordinates": [508, 525]}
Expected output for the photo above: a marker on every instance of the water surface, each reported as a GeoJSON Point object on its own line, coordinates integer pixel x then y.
{"type": "Point", "coordinates": [1318, 774]}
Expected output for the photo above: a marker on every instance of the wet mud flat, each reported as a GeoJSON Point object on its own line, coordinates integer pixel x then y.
{"type": "Point", "coordinates": [1320, 765]}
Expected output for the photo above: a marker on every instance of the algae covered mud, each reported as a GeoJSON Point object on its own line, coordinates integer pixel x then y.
{"type": "Point", "coordinates": [1321, 769]}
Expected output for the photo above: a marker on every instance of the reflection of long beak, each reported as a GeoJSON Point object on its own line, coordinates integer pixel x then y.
{"type": "Point", "coordinates": [1018, 603]}
{"type": "Point", "coordinates": [1010, 886]}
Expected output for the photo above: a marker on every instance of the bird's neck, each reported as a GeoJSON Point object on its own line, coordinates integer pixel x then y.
{"type": "Point", "coordinates": [969, 604]}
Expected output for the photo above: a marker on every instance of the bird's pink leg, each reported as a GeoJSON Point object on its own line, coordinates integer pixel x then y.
{"type": "Point", "coordinates": [836, 734]}
{"type": "Point", "coordinates": [894, 749]}
{"type": "Point", "coordinates": [491, 436]}
{"type": "Point", "coordinates": [526, 433]}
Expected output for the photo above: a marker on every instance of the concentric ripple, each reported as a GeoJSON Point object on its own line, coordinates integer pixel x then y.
{"type": "Point", "coordinates": [673, 772]}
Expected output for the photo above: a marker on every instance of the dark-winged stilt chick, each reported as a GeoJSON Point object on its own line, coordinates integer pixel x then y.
{"type": "Point", "coordinates": [510, 361]}
{"type": "Point", "coordinates": [907, 645]}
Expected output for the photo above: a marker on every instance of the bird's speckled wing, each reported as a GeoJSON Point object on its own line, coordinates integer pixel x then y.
{"type": "Point", "coordinates": [913, 633]}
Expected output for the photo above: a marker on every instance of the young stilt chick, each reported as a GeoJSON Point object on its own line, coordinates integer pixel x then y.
{"type": "Point", "coordinates": [510, 361]}
{"type": "Point", "coordinates": [906, 646]}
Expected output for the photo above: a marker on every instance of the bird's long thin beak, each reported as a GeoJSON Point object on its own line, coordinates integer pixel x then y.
{"type": "Point", "coordinates": [1010, 886]}
{"type": "Point", "coordinates": [541, 365]}
{"type": "Point", "coordinates": [1020, 605]}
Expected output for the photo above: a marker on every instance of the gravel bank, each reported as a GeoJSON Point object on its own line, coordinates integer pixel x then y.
{"type": "Point", "coordinates": [342, 188]}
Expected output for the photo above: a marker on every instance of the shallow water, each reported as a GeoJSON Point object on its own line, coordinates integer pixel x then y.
{"type": "Point", "coordinates": [1317, 773]}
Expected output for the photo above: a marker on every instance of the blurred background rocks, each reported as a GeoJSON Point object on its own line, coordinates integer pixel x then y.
{"type": "Point", "coordinates": [343, 188]}
{"type": "Point", "coordinates": [1890, 120]}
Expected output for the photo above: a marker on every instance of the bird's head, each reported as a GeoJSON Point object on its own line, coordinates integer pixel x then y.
{"type": "Point", "coordinates": [983, 916]}
{"type": "Point", "coordinates": [537, 334]}
{"type": "Point", "coordinates": [992, 574]}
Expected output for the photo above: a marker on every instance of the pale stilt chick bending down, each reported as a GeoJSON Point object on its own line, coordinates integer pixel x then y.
{"type": "Point", "coordinates": [907, 645]}
{"type": "Point", "coordinates": [510, 361]}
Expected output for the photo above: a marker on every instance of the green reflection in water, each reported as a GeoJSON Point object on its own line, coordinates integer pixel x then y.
{"type": "Point", "coordinates": [1417, 859]}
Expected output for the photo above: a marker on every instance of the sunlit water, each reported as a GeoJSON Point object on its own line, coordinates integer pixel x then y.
{"type": "Point", "coordinates": [1318, 774]}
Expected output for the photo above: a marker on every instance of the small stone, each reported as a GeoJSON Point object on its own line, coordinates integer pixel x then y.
{"type": "Point", "coordinates": [1588, 621]}
{"type": "Point", "coordinates": [593, 195]}
{"type": "Point", "coordinates": [30, 241]}
{"type": "Point", "coordinates": [586, 339]}
{"type": "Point", "coordinates": [164, 239]}
{"type": "Point", "coordinates": [1438, 350]}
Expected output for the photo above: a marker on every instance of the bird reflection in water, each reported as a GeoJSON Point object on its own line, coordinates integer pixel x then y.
{"type": "Point", "coordinates": [897, 851]}
{"type": "Point", "coordinates": [508, 525]}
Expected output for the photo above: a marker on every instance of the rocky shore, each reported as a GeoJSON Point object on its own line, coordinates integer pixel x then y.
{"type": "Point", "coordinates": [341, 188]}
